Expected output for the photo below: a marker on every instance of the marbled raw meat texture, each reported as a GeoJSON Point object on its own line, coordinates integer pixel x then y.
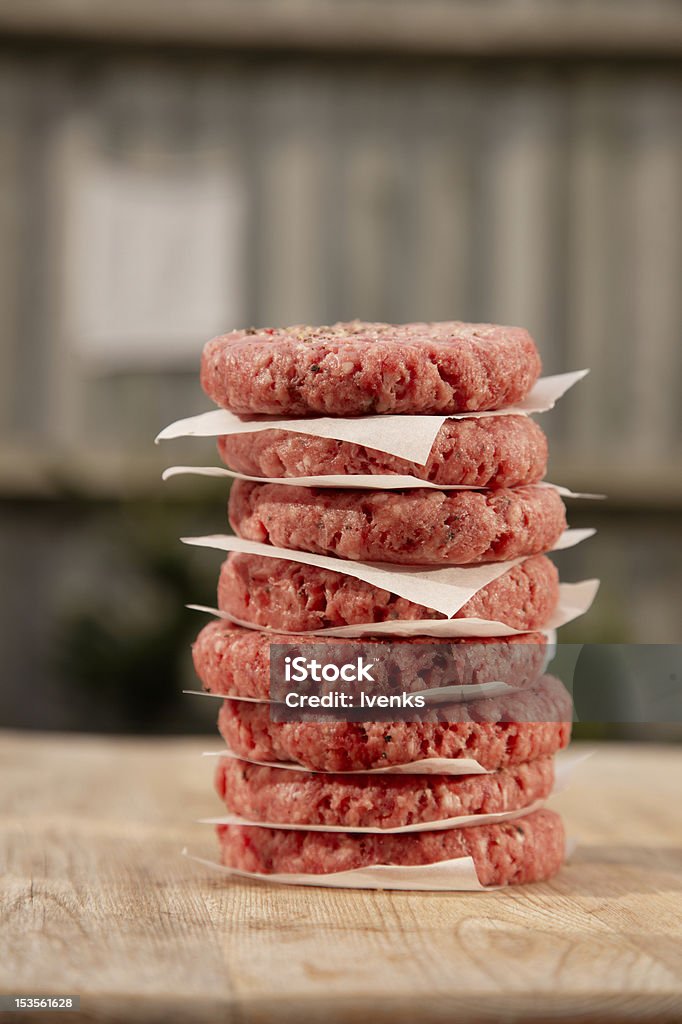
{"type": "Point", "coordinates": [375, 801]}
{"type": "Point", "coordinates": [495, 451]}
{"type": "Point", "coordinates": [360, 369]}
{"type": "Point", "coordinates": [529, 849]}
{"type": "Point", "coordinates": [496, 732]}
{"type": "Point", "coordinates": [235, 661]}
{"type": "Point", "coordinates": [413, 527]}
{"type": "Point", "coordinates": [278, 594]}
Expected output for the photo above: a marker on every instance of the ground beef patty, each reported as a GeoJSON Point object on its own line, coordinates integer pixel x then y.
{"type": "Point", "coordinates": [497, 451]}
{"type": "Point", "coordinates": [279, 594]}
{"type": "Point", "coordinates": [355, 369]}
{"type": "Point", "coordinates": [370, 801]}
{"type": "Point", "coordinates": [414, 527]}
{"type": "Point", "coordinates": [496, 732]}
{"type": "Point", "coordinates": [235, 661]}
{"type": "Point", "coordinates": [529, 849]}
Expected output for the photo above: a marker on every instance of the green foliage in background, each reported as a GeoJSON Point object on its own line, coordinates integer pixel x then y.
{"type": "Point", "coordinates": [122, 650]}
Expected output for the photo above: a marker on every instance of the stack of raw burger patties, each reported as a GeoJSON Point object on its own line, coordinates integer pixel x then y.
{"type": "Point", "coordinates": [370, 369]}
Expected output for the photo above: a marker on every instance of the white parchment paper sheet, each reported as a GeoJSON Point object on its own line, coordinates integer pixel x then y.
{"type": "Point", "coordinates": [408, 437]}
{"type": "Point", "coordinates": [344, 481]}
{"type": "Point", "coordinates": [446, 589]}
{"type": "Point", "coordinates": [457, 875]}
{"type": "Point", "coordinates": [438, 695]}
{"type": "Point", "coordinates": [426, 766]}
{"type": "Point", "coordinates": [574, 600]}
{"type": "Point", "coordinates": [430, 826]}
{"type": "Point", "coordinates": [565, 765]}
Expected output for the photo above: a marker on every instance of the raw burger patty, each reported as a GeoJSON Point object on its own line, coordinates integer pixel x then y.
{"type": "Point", "coordinates": [529, 849]}
{"type": "Point", "coordinates": [415, 527]}
{"type": "Point", "coordinates": [498, 732]}
{"type": "Point", "coordinates": [235, 661]}
{"type": "Point", "coordinates": [369, 801]}
{"type": "Point", "coordinates": [497, 451]}
{"type": "Point", "coordinates": [279, 594]}
{"type": "Point", "coordinates": [356, 369]}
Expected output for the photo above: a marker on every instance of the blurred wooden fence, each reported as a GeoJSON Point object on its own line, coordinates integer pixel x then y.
{"type": "Point", "coordinates": [172, 169]}
{"type": "Point", "coordinates": [305, 187]}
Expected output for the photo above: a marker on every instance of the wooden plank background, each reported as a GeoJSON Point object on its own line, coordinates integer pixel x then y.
{"type": "Point", "coordinates": [96, 900]}
{"type": "Point", "coordinates": [536, 193]}
{"type": "Point", "coordinates": [469, 27]}
{"type": "Point", "coordinates": [522, 166]}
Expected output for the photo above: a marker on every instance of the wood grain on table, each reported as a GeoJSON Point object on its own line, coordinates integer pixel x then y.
{"type": "Point", "coordinates": [96, 900]}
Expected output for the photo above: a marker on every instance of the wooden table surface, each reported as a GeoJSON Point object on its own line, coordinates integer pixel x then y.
{"type": "Point", "coordinates": [96, 900]}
